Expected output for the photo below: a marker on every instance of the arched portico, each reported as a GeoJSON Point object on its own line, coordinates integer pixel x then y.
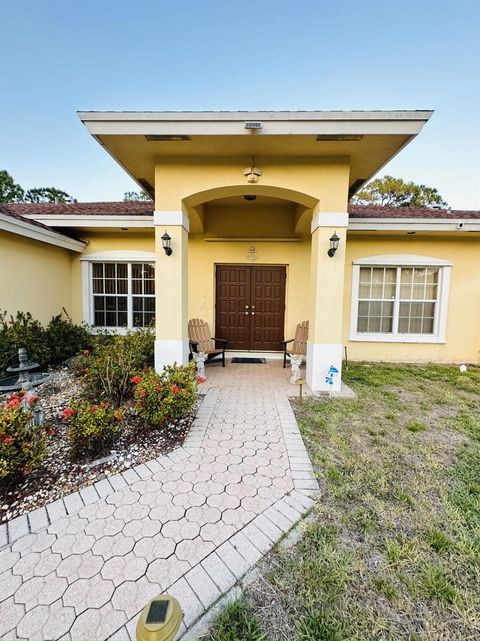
{"type": "Point", "coordinates": [287, 229]}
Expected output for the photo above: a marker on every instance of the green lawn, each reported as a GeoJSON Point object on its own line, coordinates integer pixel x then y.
{"type": "Point", "coordinates": [393, 551]}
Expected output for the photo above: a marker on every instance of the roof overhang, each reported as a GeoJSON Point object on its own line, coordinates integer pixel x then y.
{"type": "Point", "coordinates": [140, 140]}
{"type": "Point", "coordinates": [100, 221]}
{"type": "Point", "coordinates": [414, 224]}
{"type": "Point", "coordinates": [35, 232]}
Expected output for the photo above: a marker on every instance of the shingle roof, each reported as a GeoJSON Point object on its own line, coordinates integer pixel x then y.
{"type": "Point", "coordinates": [146, 207]}
{"type": "Point", "coordinates": [131, 208]}
{"type": "Point", "coordinates": [6, 209]}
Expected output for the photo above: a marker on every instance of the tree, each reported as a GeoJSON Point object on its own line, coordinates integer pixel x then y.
{"type": "Point", "coordinates": [135, 196]}
{"type": "Point", "coordinates": [395, 192]}
{"type": "Point", "coordinates": [10, 192]}
{"type": "Point", "coordinates": [47, 195]}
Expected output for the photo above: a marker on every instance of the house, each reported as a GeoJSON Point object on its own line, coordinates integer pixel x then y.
{"type": "Point", "coordinates": [248, 204]}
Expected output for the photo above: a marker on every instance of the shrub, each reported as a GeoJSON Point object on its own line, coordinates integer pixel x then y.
{"type": "Point", "coordinates": [92, 428]}
{"type": "Point", "coordinates": [108, 370]}
{"type": "Point", "coordinates": [64, 339]}
{"type": "Point", "coordinates": [21, 331]}
{"type": "Point", "coordinates": [165, 398]}
{"type": "Point", "coordinates": [22, 444]}
{"type": "Point", "coordinates": [54, 344]}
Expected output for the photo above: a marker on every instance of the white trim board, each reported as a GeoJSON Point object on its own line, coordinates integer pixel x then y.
{"type": "Point", "coordinates": [103, 220]}
{"type": "Point", "coordinates": [329, 219]}
{"type": "Point", "coordinates": [25, 228]}
{"type": "Point", "coordinates": [120, 255]}
{"type": "Point", "coordinates": [413, 224]}
{"type": "Point", "coordinates": [167, 218]}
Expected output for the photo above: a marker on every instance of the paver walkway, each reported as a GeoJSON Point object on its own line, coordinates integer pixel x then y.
{"type": "Point", "coordinates": [191, 523]}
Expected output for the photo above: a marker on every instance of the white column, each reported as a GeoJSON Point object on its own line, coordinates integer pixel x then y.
{"type": "Point", "coordinates": [171, 283]}
{"type": "Point", "coordinates": [324, 347]}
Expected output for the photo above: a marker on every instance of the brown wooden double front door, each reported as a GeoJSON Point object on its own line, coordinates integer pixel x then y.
{"type": "Point", "coordinates": [250, 306]}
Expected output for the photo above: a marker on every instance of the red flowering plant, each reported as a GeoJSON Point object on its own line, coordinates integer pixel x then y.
{"type": "Point", "coordinates": [91, 427]}
{"type": "Point", "coordinates": [163, 399]}
{"type": "Point", "coordinates": [22, 444]}
{"type": "Point", "coordinates": [107, 371]}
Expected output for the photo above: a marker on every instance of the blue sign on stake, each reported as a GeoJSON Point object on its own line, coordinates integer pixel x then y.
{"type": "Point", "coordinates": [333, 371]}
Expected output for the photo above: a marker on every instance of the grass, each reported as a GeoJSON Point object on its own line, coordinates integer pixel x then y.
{"type": "Point", "coordinates": [394, 549]}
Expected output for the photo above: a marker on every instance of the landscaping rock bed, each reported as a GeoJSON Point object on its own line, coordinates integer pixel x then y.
{"type": "Point", "coordinates": [60, 473]}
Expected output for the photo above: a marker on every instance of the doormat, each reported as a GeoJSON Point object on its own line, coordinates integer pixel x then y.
{"type": "Point", "coordinates": [256, 361]}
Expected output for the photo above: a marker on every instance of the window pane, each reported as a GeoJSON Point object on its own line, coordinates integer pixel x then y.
{"type": "Point", "coordinates": [431, 292]}
{"type": "Point", "coordinates": [137, 304]}
{"type": "Point", "coordinates": [110, 319]}
{"type": "Point", "coordinates": [98, 303]}
{"type": "Point", "coordinates": [98, 270]}
{"type": "Point", "coordinates": [427, 326]}
{"type": "Point", "coordinates": [137, 270]}
{"type": "Point", "coordinates": [365, 274]}
{"type": "Point", "coordinates": [377, 290]}
{"type": "Point", "coordinates": [406, 275]}
{"type": "Point", "coordinates": [403, 324]}
{"type": "Point", "coordinates": [137, 319]}
{"type": "Point", "coordinates": [122, 303]}
{"type": "Point", "coordinates": [415, 326]}
{"type": "Point", "coordinates": [136, 287]}
{"type": "Point", "coordinates": [429, 310]}
{"type": "Point", "coordinates": [390, 275]}
{"type": "Point", "coordinates": [149, 304]}
{"type": "Point", "coordinates": [405, 291]}
{"type": "Point", "coordinates": [364, 290]}
{"type": "Point", "coordinates": [419, 275]}
{"type": "Point", "coordinates": [375, 309]}
{"type": "Point", "coordinates": [110, 286]}
{"type": "Point", "coordinates": [432, 274]}
{"type": "Point", "coordinates": [99, 320]}
{"type": "Point", "coordinates": [122, 286]}
{"type": "Point", "coordinates": [110, 270]}
{"type": "Point", "coordinates": [149, 271]}
{"type": "Point", "coordinates": [97, 286]}
{"type": "Point", "coordinates": [122, 270]}
{"type": "Point", "coordinates": [418, 291]}
{"type": "Point", "coordinates": [149, 319]}
{"type": "Point", "coordinates": [389, 291]}
{"type": "Point", "coordinates": [386, 325]}
{"type": "Point", "coordinates": [374, 324]}
{"type": "Point", "coordinates": [149, 286]}
{"type": "Point", "coordinates": [122, 319]}
{"type": "Point", "coordinates": [362, 324]}
{"type": "Point", "coordinates": [377, 275]}
{"type": "Point", "coordinates": [110, 303]}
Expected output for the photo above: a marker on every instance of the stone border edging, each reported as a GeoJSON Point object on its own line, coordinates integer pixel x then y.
{"type": "Point", "coordinates": [42, 517]}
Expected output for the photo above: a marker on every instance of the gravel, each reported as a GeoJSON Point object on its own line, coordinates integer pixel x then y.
{"type": "Point", "coordinates": [60, 473]}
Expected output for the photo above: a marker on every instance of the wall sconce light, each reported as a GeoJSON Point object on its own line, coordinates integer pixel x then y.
{"type": "Point", "coordinates": [166, 244]}
{"type": "Point", "coordinates": [334, 240]}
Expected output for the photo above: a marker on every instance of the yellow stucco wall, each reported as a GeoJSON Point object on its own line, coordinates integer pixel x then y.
{"type": "Point", "coordinates": [35, 277]}
{"type": "Point", "coordinates": [463, 316]}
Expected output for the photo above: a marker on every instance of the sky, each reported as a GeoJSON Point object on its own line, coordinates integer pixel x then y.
{"type": "Point", "coordinates": [60, 56]}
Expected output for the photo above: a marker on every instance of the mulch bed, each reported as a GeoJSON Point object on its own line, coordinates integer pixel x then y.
{"type": "Point", "coordinates": [60, 473]}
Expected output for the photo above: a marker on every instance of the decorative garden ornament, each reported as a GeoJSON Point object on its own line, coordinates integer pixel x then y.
{"type": "Point", "coordinates": [296, 362]}
{"type": "Point", "coordinates": [199, 359]}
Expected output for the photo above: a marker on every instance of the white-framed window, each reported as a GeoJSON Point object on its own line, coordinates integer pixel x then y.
{"type": "Point", "coordinates": [399, 298]}
{"type": "Point", "coordinates": [119, 289]}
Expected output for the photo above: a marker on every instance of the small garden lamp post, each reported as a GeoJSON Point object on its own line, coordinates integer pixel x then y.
{"type": "Point", "coordinates": [334, 240]}
{"type": "Point", "coordinates": [166, 239]}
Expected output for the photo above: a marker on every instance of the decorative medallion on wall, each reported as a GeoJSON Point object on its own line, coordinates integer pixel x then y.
{"type": "Point", "coordinates": [252, 254]}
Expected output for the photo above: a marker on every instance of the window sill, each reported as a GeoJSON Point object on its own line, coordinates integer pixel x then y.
{"type": "Point", "coordinates": [396, 338]}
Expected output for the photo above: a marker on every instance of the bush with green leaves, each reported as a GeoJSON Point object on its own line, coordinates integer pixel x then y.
{"type": "Point", "coordinates": [92, 428]}
{"type": "Point", "coordinates": [107, 371]}
{"type": "Point", "coordinates": [162, 399]}
{"type": "Point", "coordinates": [22, 444]}
{"type": "Point", "coordinates": [50, 345]}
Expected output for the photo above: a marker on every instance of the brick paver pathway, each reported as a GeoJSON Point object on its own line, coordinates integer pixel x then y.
{"type": "Point", "coordinates": [191, 523]}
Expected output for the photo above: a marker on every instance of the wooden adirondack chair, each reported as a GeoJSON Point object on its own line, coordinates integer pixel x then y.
{"type": "Point", "coordinates": [299, 346]}
{"type": "Point", "coordinates": [202, 341]}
